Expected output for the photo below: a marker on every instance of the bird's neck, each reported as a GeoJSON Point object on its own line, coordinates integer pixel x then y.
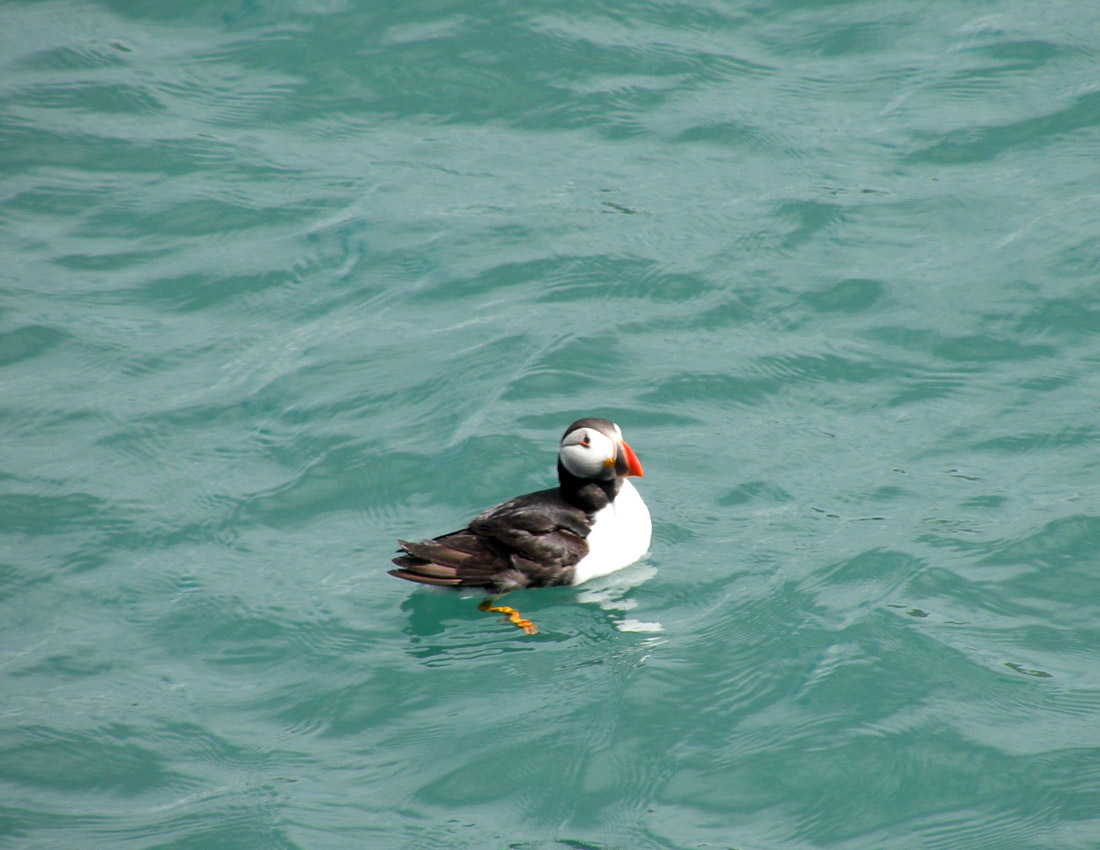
{"type": "Point", "coordinates": [588, 494]}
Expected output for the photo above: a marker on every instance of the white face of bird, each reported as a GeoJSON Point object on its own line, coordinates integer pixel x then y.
{"type": "Point", "coordinates": [589, 452]}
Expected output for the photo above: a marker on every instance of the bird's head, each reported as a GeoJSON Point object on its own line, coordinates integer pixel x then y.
{"type": "Point", "coordinates": [595, 449]}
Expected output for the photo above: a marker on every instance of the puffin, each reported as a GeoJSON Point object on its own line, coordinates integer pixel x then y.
{"type": "Point", "coordinates": [593, 523]}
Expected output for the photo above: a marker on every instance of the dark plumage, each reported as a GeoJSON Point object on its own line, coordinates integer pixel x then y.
{"type": "Point", "coordinates": [505, 548]}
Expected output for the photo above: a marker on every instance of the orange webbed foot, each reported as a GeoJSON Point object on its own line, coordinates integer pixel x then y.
{"type": "Point", "coordinates": [511, 614]}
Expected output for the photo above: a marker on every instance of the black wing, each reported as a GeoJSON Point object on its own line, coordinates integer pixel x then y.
{"type": "Point", "coordinates": [530, 541]}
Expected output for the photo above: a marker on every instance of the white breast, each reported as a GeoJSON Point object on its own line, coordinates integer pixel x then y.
{"type": "Point", "coordinates": [620, 536]}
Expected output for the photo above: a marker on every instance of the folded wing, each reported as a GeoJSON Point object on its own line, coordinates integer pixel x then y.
{"type": "Point", "coordinates": [530, 541]}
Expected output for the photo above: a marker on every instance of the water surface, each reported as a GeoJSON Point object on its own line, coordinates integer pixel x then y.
{"type": "Point", "coordinates": [281, 282]}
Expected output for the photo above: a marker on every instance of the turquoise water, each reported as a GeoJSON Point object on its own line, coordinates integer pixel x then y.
{"type": "Point", "coordinates": [281, 282]}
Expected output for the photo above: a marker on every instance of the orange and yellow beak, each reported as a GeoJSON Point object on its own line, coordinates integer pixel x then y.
{"type": "Point", "coordinates": [626, 462]}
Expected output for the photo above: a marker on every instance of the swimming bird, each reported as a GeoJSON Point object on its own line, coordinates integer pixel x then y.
{"type": "Point", "coordinates": [593, 523]}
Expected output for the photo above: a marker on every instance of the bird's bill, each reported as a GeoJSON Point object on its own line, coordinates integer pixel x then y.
{"type": "Point", "coordinates": [626, 462]}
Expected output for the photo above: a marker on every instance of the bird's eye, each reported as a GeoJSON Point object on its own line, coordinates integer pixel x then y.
{"type": "Point", "coordinates": [585, 441]}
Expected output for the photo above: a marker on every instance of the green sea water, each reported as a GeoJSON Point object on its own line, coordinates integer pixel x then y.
{"type": "Point", "coordinates": [283, 281]}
